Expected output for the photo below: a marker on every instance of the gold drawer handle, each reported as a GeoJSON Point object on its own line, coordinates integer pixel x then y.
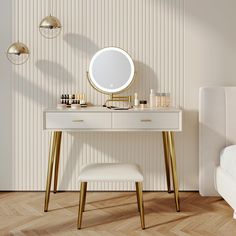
{"type": "Point", "coordinates": [146, 120]}
{"type": "Point", "coordinates": [77, 120]}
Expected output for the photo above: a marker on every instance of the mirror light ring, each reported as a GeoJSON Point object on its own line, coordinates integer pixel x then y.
{"type": "Point", "coordinates": [105, 90]}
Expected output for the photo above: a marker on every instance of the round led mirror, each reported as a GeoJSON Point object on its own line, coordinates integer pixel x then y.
{"type": "Point", "coordinates": [111, 70]}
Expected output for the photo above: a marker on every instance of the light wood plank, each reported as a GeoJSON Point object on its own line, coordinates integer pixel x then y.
{"type": "Point", "coordinates": [114, 213]}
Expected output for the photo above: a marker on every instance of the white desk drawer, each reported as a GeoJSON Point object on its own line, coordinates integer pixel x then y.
{"type": "Point", "coordinates": [77, 120]}
{"type": "Point", "coordinates": [148, 120]}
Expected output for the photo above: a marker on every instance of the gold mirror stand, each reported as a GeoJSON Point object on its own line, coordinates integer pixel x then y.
{"type": "Point", "coordinates": [115, 98]}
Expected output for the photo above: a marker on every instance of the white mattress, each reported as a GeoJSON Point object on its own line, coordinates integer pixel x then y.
{"type": "Point", "coordinates": [228, 160]}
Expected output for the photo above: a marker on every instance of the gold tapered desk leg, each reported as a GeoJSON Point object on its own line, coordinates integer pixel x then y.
{"type": "Point", "coordinates": [57, 160]}
{"type": "Point", "coordinates": [51, 158]}
{"type": "Point", "coordinates": [171, 145]}
{"type": "Point", "coordinates": [167, 159]}
{"type": "Point", "coordinates": [83, 187]}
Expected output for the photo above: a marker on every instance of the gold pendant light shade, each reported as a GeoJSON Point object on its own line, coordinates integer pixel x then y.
{"type": "Point", "coordinates": [50, 27]}
{"type": "Point", "coordinates": [18, 53]}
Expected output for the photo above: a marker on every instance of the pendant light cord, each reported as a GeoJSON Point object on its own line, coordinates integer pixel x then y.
{"type": "Point", "coordinates": [18, 20]}
{"type": "Point", "coordinates": [50, 7]}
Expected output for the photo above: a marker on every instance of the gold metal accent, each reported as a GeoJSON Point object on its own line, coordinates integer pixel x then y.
{"type": "Point", "coordinates": [82, 201]}
{"type": "Point", "coordinates": [83, 187]}
{"type": "Point", "coordinates": [50, 23]}
{"type": "Point", "coordinates": [85, 192]}
{"type": "Point", "coordinates": [115, 98]}
{"type": "Point", "coordinates": [77, 120]}
{"type": "Point", "coordinates": [171, 145]}
{"type": "Point", "coordinates": [18, 49]}
{"type": "Point", "coordinates": [137, 194]}
{"type": "Point", "coordinates": [57, 160]}
{"type": "Point", "coordinates": [139, 190]}
{"type": "Point", "coordinates": [99, 90]}
{"type": "Point", "coordinates": [146, 120]}
{"type": "Point", "coordinates": [167, 160]}
{"type": "Point", "coordinates": [51, 159]}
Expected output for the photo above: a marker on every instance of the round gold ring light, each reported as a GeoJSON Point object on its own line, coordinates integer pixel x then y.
{"type": "Point", "coordinates": [111, 70]}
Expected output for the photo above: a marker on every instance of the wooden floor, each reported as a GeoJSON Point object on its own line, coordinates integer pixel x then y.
{"type": "Point", "coordinates": [114, 213]}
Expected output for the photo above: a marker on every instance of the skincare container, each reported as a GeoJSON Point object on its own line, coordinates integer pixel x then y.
{"type": "Point", "coordinates": [165, 100]}
{"type": "Point", "coordinates": [61, 106]}
{"type": "Point", "coordinates": [136, 101]}
{"type": "Point", "coordinates": [158, 99]}
{"type": "Point", "coordinates": [75, 106]}
{"type": "Point", "coordinates": [143, 104]}
{"type": "Point", "coordinates": [152, 98]}
{"type": "Point", "coordinates": [82, 99]}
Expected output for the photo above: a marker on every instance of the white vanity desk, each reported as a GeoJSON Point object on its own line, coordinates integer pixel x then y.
{"type": "Point", "coordinates": [165, 120]}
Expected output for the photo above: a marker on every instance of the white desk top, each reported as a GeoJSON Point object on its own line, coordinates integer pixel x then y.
{"type": "Point", "coordinates": [104, 109]}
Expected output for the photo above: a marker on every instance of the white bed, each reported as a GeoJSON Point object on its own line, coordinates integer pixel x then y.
{"type": "Point", "coordinates": [217, 134]}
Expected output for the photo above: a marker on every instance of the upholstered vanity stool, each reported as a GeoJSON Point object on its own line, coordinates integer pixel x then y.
{"type": "Point", "coordinates": [111, 172]}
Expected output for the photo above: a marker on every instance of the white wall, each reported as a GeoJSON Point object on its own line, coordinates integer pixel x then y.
{"type": "Point", "coordinates": [173, 51]}
{"type": "Point", "coordinates": [5, 98]}
{"type": "Point", "coordinates": [210, 60]}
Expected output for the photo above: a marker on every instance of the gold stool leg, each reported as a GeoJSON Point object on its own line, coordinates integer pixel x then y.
{"type": "Point", "coordinates": [50, 168]}
{"type": "Point", "coordinates": [173, 168]}
{"type": "Point", "coordinates": [57, 160]}
{"type": "Point", "coordinates": [81, 203]}
{"type": "Point", "coordinates": [167, 160]}
{"type": "Point", "coordinates": [85, 192]}
{"type": "Point", "coordinates": [140, 202]}
{"type": "Point", "coordinates": [137, 195]}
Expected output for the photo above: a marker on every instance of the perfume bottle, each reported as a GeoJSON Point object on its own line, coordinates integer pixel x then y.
{"type": "Point", "coordinates": [136, 101]}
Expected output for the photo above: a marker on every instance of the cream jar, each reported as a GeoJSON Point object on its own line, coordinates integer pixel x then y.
{"type": "Point", "coordinates": [165, 99]}
{"type": "Point", "coordinates": [143, 104]}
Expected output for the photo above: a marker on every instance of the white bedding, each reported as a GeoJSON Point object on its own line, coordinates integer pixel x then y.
{"type": "Point", "coordinates": [228, 160]}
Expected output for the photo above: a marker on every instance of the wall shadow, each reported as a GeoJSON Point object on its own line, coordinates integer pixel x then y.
{"type": "Point", "coordinates": [145, 79]}
{"type": "Point", "coordinates": [81, 43]}
{"type": "Point", "coordinates": [54, 70]}
{"type": "Point", "coordinates": [34, 92]}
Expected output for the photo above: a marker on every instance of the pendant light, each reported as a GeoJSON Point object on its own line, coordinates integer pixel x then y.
{"type": "Point", "coordinates": [50, 26]}
{"type": "Point", "coordinates": [18, 52]}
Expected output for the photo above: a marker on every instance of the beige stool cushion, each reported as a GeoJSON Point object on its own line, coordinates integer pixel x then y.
{"type": "Point", "coordinates": [111, 172]}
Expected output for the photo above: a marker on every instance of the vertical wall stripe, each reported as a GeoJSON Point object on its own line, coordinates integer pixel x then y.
{"type": "Point", "coordinates": [151, 31]}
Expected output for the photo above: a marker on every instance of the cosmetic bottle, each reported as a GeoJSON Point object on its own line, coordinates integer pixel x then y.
{"type": "Point", "coordinates": [152, 98]}
{"type": "Point", "coordinates": [143, 104]}
{"type": "Point", "coordinates": [82, 99]}
{"type": "Point", "coordinates": [136, 101]}
{"type": "Point", "coordinates": [158, 99]}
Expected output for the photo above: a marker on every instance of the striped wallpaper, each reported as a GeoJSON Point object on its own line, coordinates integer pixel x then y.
{"type": "Point", "coordinates": [151, 31]}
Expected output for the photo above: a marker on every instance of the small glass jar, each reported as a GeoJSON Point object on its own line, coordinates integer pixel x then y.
{"type": "Point", "coordinates": [143, 104]}
{"type": "Point", "coordinates": [165, 99]}
{"type": "Point", "coordinates": [158, 99]}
